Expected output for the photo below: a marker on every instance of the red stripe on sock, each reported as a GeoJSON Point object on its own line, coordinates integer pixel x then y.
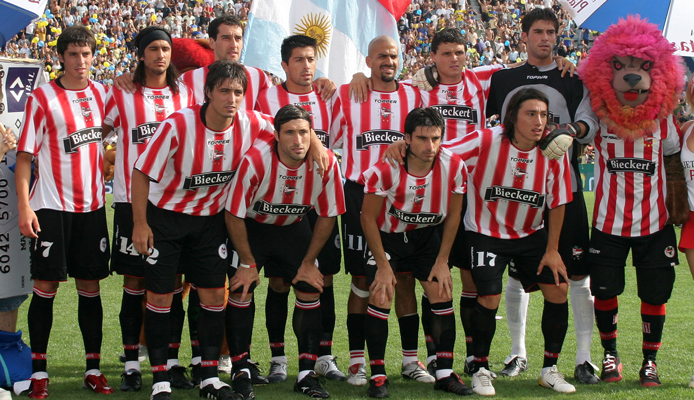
{"type": "Point", "coordinates": [158, 368]}
{"type": "Point", "coordinates": [38, 356]}
{"type": "Point", "coordinates": [93, 356]}
{"type": "Point", "coordinates": [377, 362]}
{"type": "Point", "coordinates": [209, 363]}
{"type": "Point", "coordinates": [608, 335]}
{"type": "Point", "coordinates": [239, 357]}
{"type": "Point", "coordinates": [649, 309]}
{"type": "Point", "coordinates": [606, 305]}
{"type": "Point", "coordinates": [651, 346]}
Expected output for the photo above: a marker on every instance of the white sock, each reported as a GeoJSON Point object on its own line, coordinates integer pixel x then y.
{"type": "Point", "coordinates": [443, 373]}
{"type": "Point", "coordinates": [161, 387]}
{"type": "Point", "coordinates": [196, 360]}
{"type": "Point", "coordinates": [302, 374]}
{"type": "Point", "coordinates": [39, 375]}
{"type": "Point", "coordinates": [215, 382]}
{"type": "Point", "coordinates": [92, 372]}
{"type": "Point", "coordinates": [132, 365]}
{"type": "Point", "coordinates": [430, 359]}
{"type": "Point", "coordinates": [582, 308]}
{"type": "Point", "coordinates": [409, 356]}
{"type": "Point", "coordinates": [516, 313]}
{"type": "Point", "coordinates": [172, 362]}
{"type": "Point", "coordinates": [279, 359]}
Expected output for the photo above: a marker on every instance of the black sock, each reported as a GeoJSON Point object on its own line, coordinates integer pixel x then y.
{"type": "Point", "coordinates": [178, 318]}
{"type": "Point", "coordinates": [211, 336]}
{"type": "Point", "coordinates": [356, 331]}
{"type": "Point", "coordinates": [90, 315]}
{"type": "Point", "coordinates": [307, 328]}
{"type": "Point", "coordinates": [131, 321]}
{"type": "Point", "coordinates": [377, 338]}
{"type": "Point", "coordinates": [239, 319]}
{"type": "Point", "coordinates": [426, 326]}
{"type": "Point", "coordinates": [443, 332]}
{"type": "Point", "coordinates": [606, 312]}
{"type": "Point", "coordinates": [409, 334]}
{"type": "Point", "coordinates": [250, 330]}
{"type": "Point", "coordinates": [555, 322]}
{"type": "Point", "coordinates": [467, 307]}
{"type": "Point", "coordinates": [327, 309]}
{"type": "Point", "coordinates": [653, 318]}
{"type": "Point", "coordinates": [40, 319]}
{"type": "Point", "coordinates": [483, 329]}
{"type": "Point", "coordinates": [276, 320]}
{"type": "Point", "coordinates": [194, 321]}
{"type": "Point", "coordinates": [157, 333]}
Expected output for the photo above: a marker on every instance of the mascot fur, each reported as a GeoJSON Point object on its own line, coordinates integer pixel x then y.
{"type": "Point", "coordinates": [635, 80]}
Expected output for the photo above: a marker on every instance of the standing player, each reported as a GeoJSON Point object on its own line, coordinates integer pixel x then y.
{"type": "Point", "coordinates": [569, 107]}
{"type": "Point", "coordinates": [178, 219]}
{"type": "Point", "coordinates": [363, 131]}
{"type": "Point", "coordinates": [511, 183]}
{"type": "Point", "coordinates": [135, 118]}
{"type": "Point", "coordinates": [299, 63]}
{"type": "Point", "coordinates": [268, 198]}
{"type": "Point", "coordinates": [64, 213]}
{"type": "Point", "coordinates": [402, 205]}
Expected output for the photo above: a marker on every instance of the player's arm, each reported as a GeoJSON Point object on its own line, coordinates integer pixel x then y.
{"type": "Point", "coordinates": [551, 259]}
{"type": "Point", "coordinates": [309, 272]}
{"type": "Point", "coordinates": [325, 87]}
{"type": "Point", "coordinates": [317, 154]}
{"type": "Point", "coordinates": [143, 239]}
{"type": "Point", "coordinates": [440, 271]}
{"type": "Point", "coordinates": [125, 82]}
{"type": "Point", "coordinates": [247, 273]}
{"type": "Point", "coordinates": [384, 281]}
{"type": "Point", "coordinates": [28, 222]}
{"type": "Point", "coordinates": [359, 87]}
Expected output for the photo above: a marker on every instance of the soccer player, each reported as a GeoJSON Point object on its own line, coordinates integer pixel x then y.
{"type": "Point", "coordinates": [363, 131]}
{"type": "Point", "coordinates": [178, 219]}
{"type": "Point", "coordinates": [401, 211]}
{"type": "Point", "coordinates": [268, 198]}
{"type": "Point", "coordinates": [299, 63]}
{"type": "Point", "coordinates": [64, 214]}
{"type": "Point", "coordinates": [134, 118]}
{"type": "Point", "coordinates": [511, 183]}
{"type": "Point", "coordinates": [569, 107]}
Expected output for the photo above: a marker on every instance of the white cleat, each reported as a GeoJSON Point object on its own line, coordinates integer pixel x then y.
{"type": "Point", "coordinates": [482, 383]}
{"type": "Point", "coordinates": [553, 379]}
{"type": "Point", "coordinates": [417, 371]}
{"type": "Point", "coordinates": [357, 375]}
{"type": "Point", "coordinates": [327, 366]}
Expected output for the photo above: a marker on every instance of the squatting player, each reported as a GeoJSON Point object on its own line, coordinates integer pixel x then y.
{"type": "Point", "coordinates": [64, 214]}
{"type": "Point", "coordinates": [268, 198]}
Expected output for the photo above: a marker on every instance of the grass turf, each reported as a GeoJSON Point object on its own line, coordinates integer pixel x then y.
{"type": "Point", "coordinates": [66, 352]}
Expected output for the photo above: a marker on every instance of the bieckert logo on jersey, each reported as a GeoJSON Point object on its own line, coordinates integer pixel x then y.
{"type": "Point", "coordinates": [415, 218]}
{"type": "Point", "coordinates": [265, 208]}
{"type": "Point", "coordinates": [457, 112]}
{"type": "Point", "coordinates": [534, 199]}
{"type": "Point", "coordinates": [81, 137]}
{"type": "Point", "coordinates": [144, 132]}
{"type": "Point", "coordinates": [626, 164]}
{"type": "Point", "coordinates": [377, 137]}
{"type": "Point", "coordinates": [323, 137]}
{"type": "Point", "coordinates": [208, 179]}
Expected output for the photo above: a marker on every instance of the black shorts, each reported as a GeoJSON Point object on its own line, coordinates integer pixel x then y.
{"type": "Point", "coordinates": [283, 256]}
{"type": "Point", "coordinates": [460, 252]}
{"type": "Point", "coordinates": [125, 260]}
{"type": "Point", "coordinates": [658, 250]}
{"type": "Point", "coordinates": [574, 240]}
{"type": "Point", "coordinates": [408, 252]}
{"type": "Point", "coordinates": [70, 244]}
{"type": "Point", "coordinates": [490, 256]}
{"type": "Point", "coordinates": [352, 234]}
{"type": "Point", "coordinates": [200, 243]}
{"type": "Point", "coordinates": [330, 257]}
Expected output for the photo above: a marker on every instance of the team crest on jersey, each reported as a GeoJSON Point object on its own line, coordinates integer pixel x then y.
{"type": "Point", "coordinates": [103, 245]}
{"type": "Point", "coordinates": [577, 253]}
{"type": "Point", "coordinates": [670, 252]}
{"type": "Point", "coordinates": [217, 155]}
{"type": "Point", "coordinates": [143, 132]}
{"type": "Point", "coordinates": [519, 173]}
{"type": "Point", "coordinates": [451, 95]}
{"type": "Point", "coordinates": [160, 109]}
{"type": "Point", "coordinates": [289, 188]}
{"type": "Point", "coordinates": [418, 198]}
{"type": "Point", "coordinates": [649, 141]}
{"type": "Point", "coordinates": [82, 137]}
{"type": "Point", "coordinates": [86, 113]}
{"type": "Point", "coordinates": [222, 251]}
{"type": "Point", "coordinates": [385, 112]}
{"type": "Point", "coordinates": [529, 197]}
{"type": "Point", "coordinates": [377, 137]}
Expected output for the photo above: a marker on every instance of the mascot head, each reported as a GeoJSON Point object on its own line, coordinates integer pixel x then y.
{"type": "Point", "coordinates": [633, 76]}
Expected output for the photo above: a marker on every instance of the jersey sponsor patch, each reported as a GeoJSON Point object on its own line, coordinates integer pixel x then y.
{"type": "Point", "coordinates": [534, 199]}
{"type": "Point", "coordinates": [415, 218]}
{"type": "Point", "coordinates": [143, 132]}
{"type": "Point", "coordinates": [208, 179]}
{"type": "Point", "coordinates": [377, 137]}
{"type": "Point", "coordinates": [457, 112]}
{"type": "Point", "coordinates": [81, 138]}
{"type": "Point", "coordinates": [263, 207]}
{"type": "Point", "coordinates": [627, 164]}
{"type": "Point", "coordinates": [323, 137]}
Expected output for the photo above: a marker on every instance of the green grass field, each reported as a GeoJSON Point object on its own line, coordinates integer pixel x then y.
{"type": "Point", "coordinates": [676, 360]}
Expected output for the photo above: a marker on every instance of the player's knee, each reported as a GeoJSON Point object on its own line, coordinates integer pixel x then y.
{"type": "Point", "coordinates": [133, 283]}
{"type": "Point", "coordinates": [277, 285]}
{"type": "Point", "coordinates": [303, 287]}
{"type": "Point", "coordinates": [655, 285]}
{"type": "Point", "coordinates": [236, 294]}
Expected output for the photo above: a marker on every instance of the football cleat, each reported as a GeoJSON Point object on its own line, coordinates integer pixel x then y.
{"type": "Point", "coordinates": [515, 366]}
{"type": "Point", "coordinates": [378, 387]}
{"type": "Point", "coordinates": [278, 372]}
{"type": "Point", "coordinates": [648, 376]}
{"type": "Point", "coordinates": [553, 379]}
{"type": "Point", "coordinates": [417, 371]}
{"type": "Point", "coordinates": [585, 373]}
{"type": "Point", "coordinates": [611, 367]}
{"type": "Point", "coordinates": [97, 383]}
{"type": "Point", "coordinates": [131, 381]}
{"type": "Point", "coordinates": [482, 383]}
{"type": "Point", "coordinates": [327, 367]}
{"type": "Point", "coordinates": [311, 387]}
{"type": "Point", "coordinates": [453, 384]}
{"type": "Point", "coordinates": [38, 388]}
{"type": "Point", "coordinates": [357, 375]}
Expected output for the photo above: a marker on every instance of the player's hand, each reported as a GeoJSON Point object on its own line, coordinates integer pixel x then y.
{"type": "Point", "coordinates": [442, 273]}
{"type": "Point", "coordinates": [326, 88]}
{"type": "Point", "coordinates": [29, 223]}
{"type": "Point", "coordinates": [309, 273]}
{"type": "Point", "coordinates": [244, 277]}
{"type": "Point", "coordinates": [553, 261]}
{"type": "Point", "coordinates": [8, 141]}
{"type": "Point", "coordinates": [319, 155]}
{"type": "Point", "coordinates": [359, 87]}
{"type": "Point", "coordinates": [384, 282]}
{"type": "Point", "coordinates": [143, 239]}
{"type": "Point", "coordinates": [565, 66]}
{"type": "Point", "coordinates": [125, 83]}
{"type": "Point", "coordinates": [395, 153]}
{"type": "Point", "coordinates": [426, 78]}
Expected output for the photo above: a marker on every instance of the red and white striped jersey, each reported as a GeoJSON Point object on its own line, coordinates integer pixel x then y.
{"type": "Point", "coordinates": [273, 98]}
{"type": "Point", "coordinates": [135, 118]}
{"type": "Point", "coordinates": [413, 202]}
{"type": "Point", "coordinates": [364, 131]}
{"type": "Point", "coordinates": [509, 189]}
{"type": "Point", "coordinates": [257, 82]}
{"type": "Point", "coordinates": [630, 187]}
{"type": "Point", "coordinates": [463, 104]}
{"type": "Point", "coordinates": [269, 192]}
{"type": "Point", "coordinates": [191, 164]}
{"type": "Point", "coordinates": [62, 128]}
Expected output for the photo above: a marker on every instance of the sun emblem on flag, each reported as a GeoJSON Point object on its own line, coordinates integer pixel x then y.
{"type": "Point", "coordinates": [317, 26]}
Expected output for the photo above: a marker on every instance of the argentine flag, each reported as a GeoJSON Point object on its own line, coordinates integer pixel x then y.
{"type": "Point", "coordinates": [342, 28]}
